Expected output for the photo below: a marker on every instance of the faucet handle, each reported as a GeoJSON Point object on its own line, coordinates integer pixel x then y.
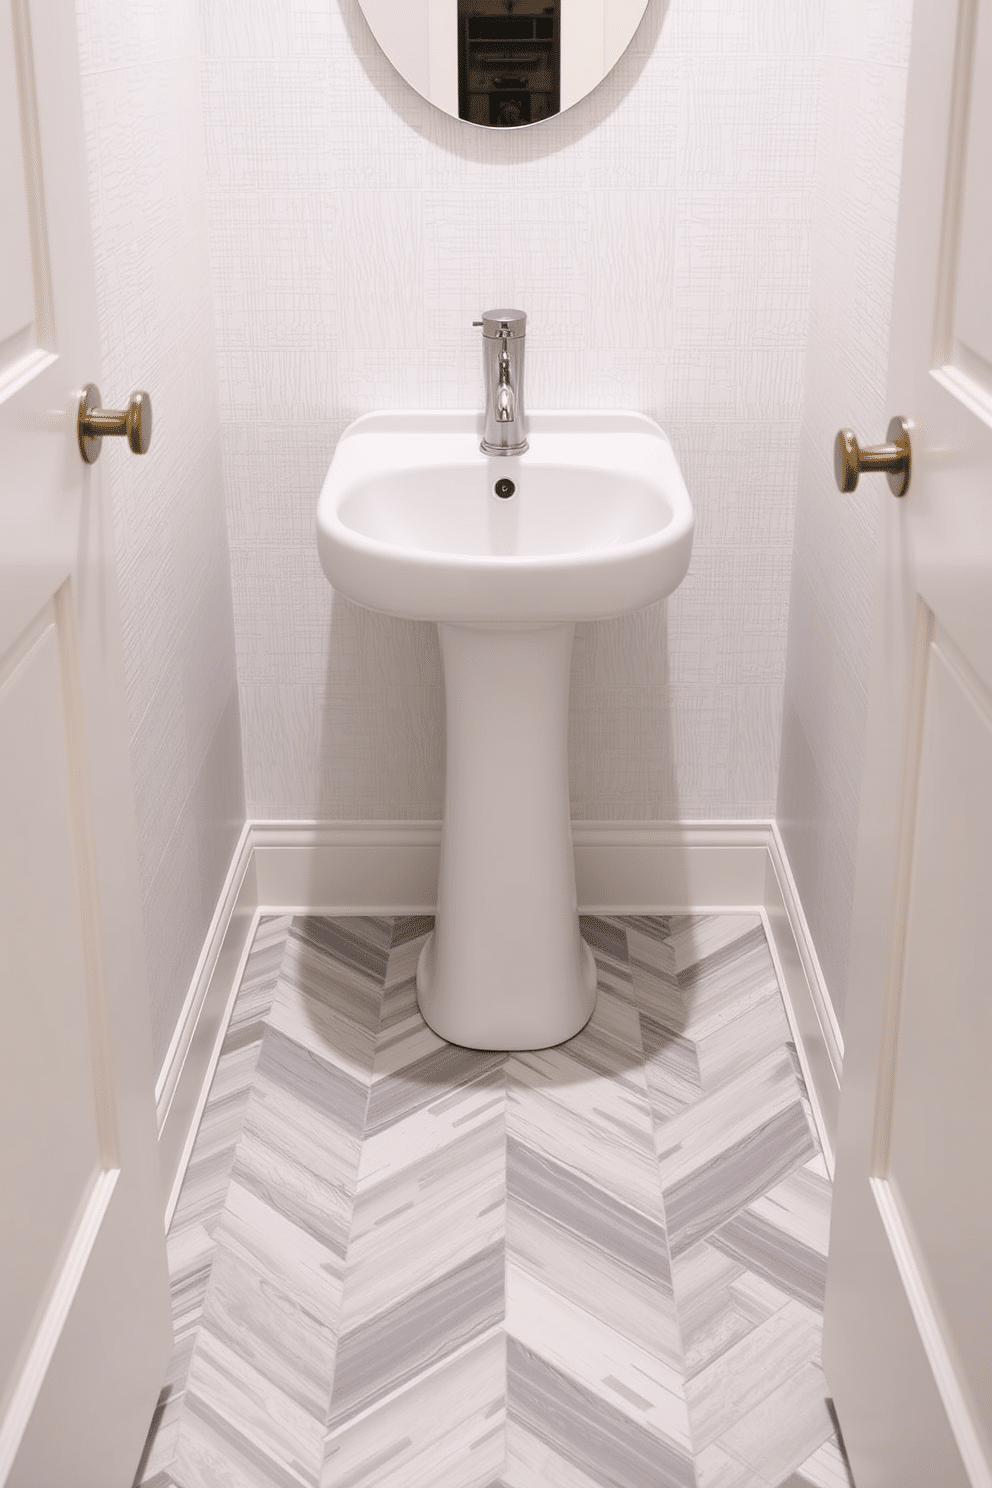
{"type": "Point", "coordinates": [503, 325]}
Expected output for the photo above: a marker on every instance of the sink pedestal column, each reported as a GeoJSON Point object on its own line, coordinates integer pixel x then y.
{"type": "Point", "coordinates": [506, 967]}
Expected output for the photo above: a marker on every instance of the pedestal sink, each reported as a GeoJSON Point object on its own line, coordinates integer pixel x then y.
{"type": "Point", "coordinates": [595, 521]}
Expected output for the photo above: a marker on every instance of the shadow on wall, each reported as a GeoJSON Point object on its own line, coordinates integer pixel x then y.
{"type": "Point", "coordinates": [382, 724]}
{"type": "Point", "coordinates": [516, 145]}
{"type": "Point", "coordinates": [383, 719]}
{"type": "Point", "coordinates": [627, 767]}
{"type": "Point", "coordinates": [620, 710]}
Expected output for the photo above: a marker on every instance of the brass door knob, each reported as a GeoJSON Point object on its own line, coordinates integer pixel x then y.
{"type": "Point", "coordinates": [894, 458]}
{"type": "Point", "coordinates": [93, 422]}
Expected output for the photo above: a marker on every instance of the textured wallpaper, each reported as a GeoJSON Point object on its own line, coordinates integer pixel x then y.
{"type": "Point", "coordinates": [834, 561]}
{"type": "Point", "coordinates": [141, 93]}
{"type": "Point", "coordinates": [708, 238]}
{"type": "Point", "coordinates": [658, 235]}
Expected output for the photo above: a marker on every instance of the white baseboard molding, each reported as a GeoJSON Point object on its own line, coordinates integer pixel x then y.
{"type": "Point", "coordinates": [655, 867]}
{"type": "Point", "coordinates": [807, 1000]}
{"type": "Point", "coordinates": [347, 867]}
{"type": "Point", "coordinates": [187, 1070]}
{"type": "Point", "coordinates": [391, 868]}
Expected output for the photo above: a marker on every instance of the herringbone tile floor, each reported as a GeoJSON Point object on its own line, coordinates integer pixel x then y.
{"type": "Point", "coordinates": [398, 1263]}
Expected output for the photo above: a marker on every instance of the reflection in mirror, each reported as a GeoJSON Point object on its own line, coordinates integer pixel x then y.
{"type": "Point", "coordinates": [503, 63]}
{"type": "Point", "coordinates": [509, 61]}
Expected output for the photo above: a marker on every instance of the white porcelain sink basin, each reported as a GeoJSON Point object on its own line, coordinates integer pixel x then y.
{"type": "Point", "coordinates": [410, 521]}
{"type": "Point", "coordinates": [599, 522]}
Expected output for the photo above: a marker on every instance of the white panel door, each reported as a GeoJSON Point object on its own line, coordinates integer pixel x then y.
{"type": "Point", "coordinates": [84, 1321]}
{"type": "Point", "coordinates": [908, 1329]}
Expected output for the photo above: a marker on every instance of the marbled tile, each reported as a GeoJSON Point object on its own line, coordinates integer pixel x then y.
{"type": "Point", "coordinates": [634, 1381]}
{"type": "Point", "coordinates": [419, 1082]}
{"type": "Point", "coordinates": [425, 1266]}
{"type": "Point", "coordinates": [404, 1038]}
{"type": "Point", "coordinates": [712, 1312]}
{"type": "Point", "coordinates": [426, 1260]}
{"type": "Point", "coordinates": [733, 1129]}
{"type": "Point", "coordinates": [409, 935]}
{"type": "Point", "coordinates": [610, 1287]}
{"type": "Point", "coordinates": [191, 1239]}
{"type": "Point", "coordinates": [672, 1069]}
{"type": "Point", "coordinates": [201, 1198]}
{"type": "Point", "coordinates": [654, 973]}
{"type": "Point", "coordinates": [780, 1432]}
{"type": "Point", "coordinates": [753, 1026]}
{"type": "Point", "coordinates": [827, 1467]}
{"type": "Point", "coordinates": [742, 1376]}
{"type": "Point", "coordinates": [429, 1196]}
{"type": "Point", "coordinates": [610, 1044]}
{"type": "Point", "coordinates": [401, 1264]}
{"type": "Point", "coordinates": [615, 1230]}
{"type": "Point", "coordinates": [340, 1029]}
{"type": "Point", "coordinates": [534, 1463]}
{"type": "Point", "coordinates": [585, 1105]}
{"type": "Point", "coordinates": [213, 1454]}
{"type": "Point", "coordinates": [734, 977]}
{"type": "Point", "coordinates": [785, 1262]}
{"type": "Point", "coordinates": [715, 1468]}
{"type": "Point", "coordinates": [700, 943]}
{"type": "Point", "coordinates": [590, 1312]}
{"type": "Point", "coordinates": [259, 1373]}
{"type": "Point", "coordinates": [642, 931]}
{"type": "Point", "coordinates": [729, 1147]}
{"type": "Point", "coordinates": [274, 1294]}
{"type": "Point", "coordinates": [605, 938]}
{"type": "Point", "coordinates": [295, 1152]}
{"type": "Point", "coordinates": [444, 1430]}
{"type": "Point", "coordinates": [397, 1345]}
{"type": "Point", "coordinates": [589, 1431]}
{"type": "Point", "coordinates": [237, 1400]}
{"type": "Point", "coordinates": [800, 1206]}
{"type": "Point", "coordinates": [655, 984]}
{"type": "Point", "coordinates": [359, 943]}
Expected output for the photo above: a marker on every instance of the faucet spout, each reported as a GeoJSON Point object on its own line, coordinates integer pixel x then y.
{"type": "Point", "coordinates": [503, 338]}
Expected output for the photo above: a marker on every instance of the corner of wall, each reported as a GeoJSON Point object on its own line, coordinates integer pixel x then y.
{"type": "Point", "coordinates": [140, 72]}
{"type": "Point", "coordinates": [833, 572]}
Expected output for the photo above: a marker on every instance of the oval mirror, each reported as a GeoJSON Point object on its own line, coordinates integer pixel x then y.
{"type": "Point", "coordinates": [503, 64]}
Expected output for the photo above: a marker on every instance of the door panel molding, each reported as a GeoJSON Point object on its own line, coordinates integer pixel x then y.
{"type": "Point", "coordinates": [954, 181]}
{"type": "Point", "coordinates": [932, 1331]}
{"type": "Point", "coordinates": [32, 347]}
{"type": "Point", "coordinates": [931, 644]}
{"type": "Point", "coordinates": [961, 343]}
{"type": "Point", "coordinates": [925, 625]}
{"type": "Point", "coordinates": [83, 1235]}
{"type": "Point", "coordinates": [101, 1043]}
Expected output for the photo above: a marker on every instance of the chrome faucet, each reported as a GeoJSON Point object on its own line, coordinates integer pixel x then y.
{"type": "Point", "coordinates": [503, 336]}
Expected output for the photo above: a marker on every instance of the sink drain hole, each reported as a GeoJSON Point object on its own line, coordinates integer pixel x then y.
{"type": "Point", "coordinates": [504, 488]}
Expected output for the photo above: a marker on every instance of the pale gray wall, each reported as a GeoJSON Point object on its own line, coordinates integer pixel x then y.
{"type": "Point", "coordinates": [658, 235]}
{"type": "Point", "coordinates": [143, 118]}
{"type": "Point", "coordinates": [829, 638]}
{"type": "Point", "coordinates": [664, 235]}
